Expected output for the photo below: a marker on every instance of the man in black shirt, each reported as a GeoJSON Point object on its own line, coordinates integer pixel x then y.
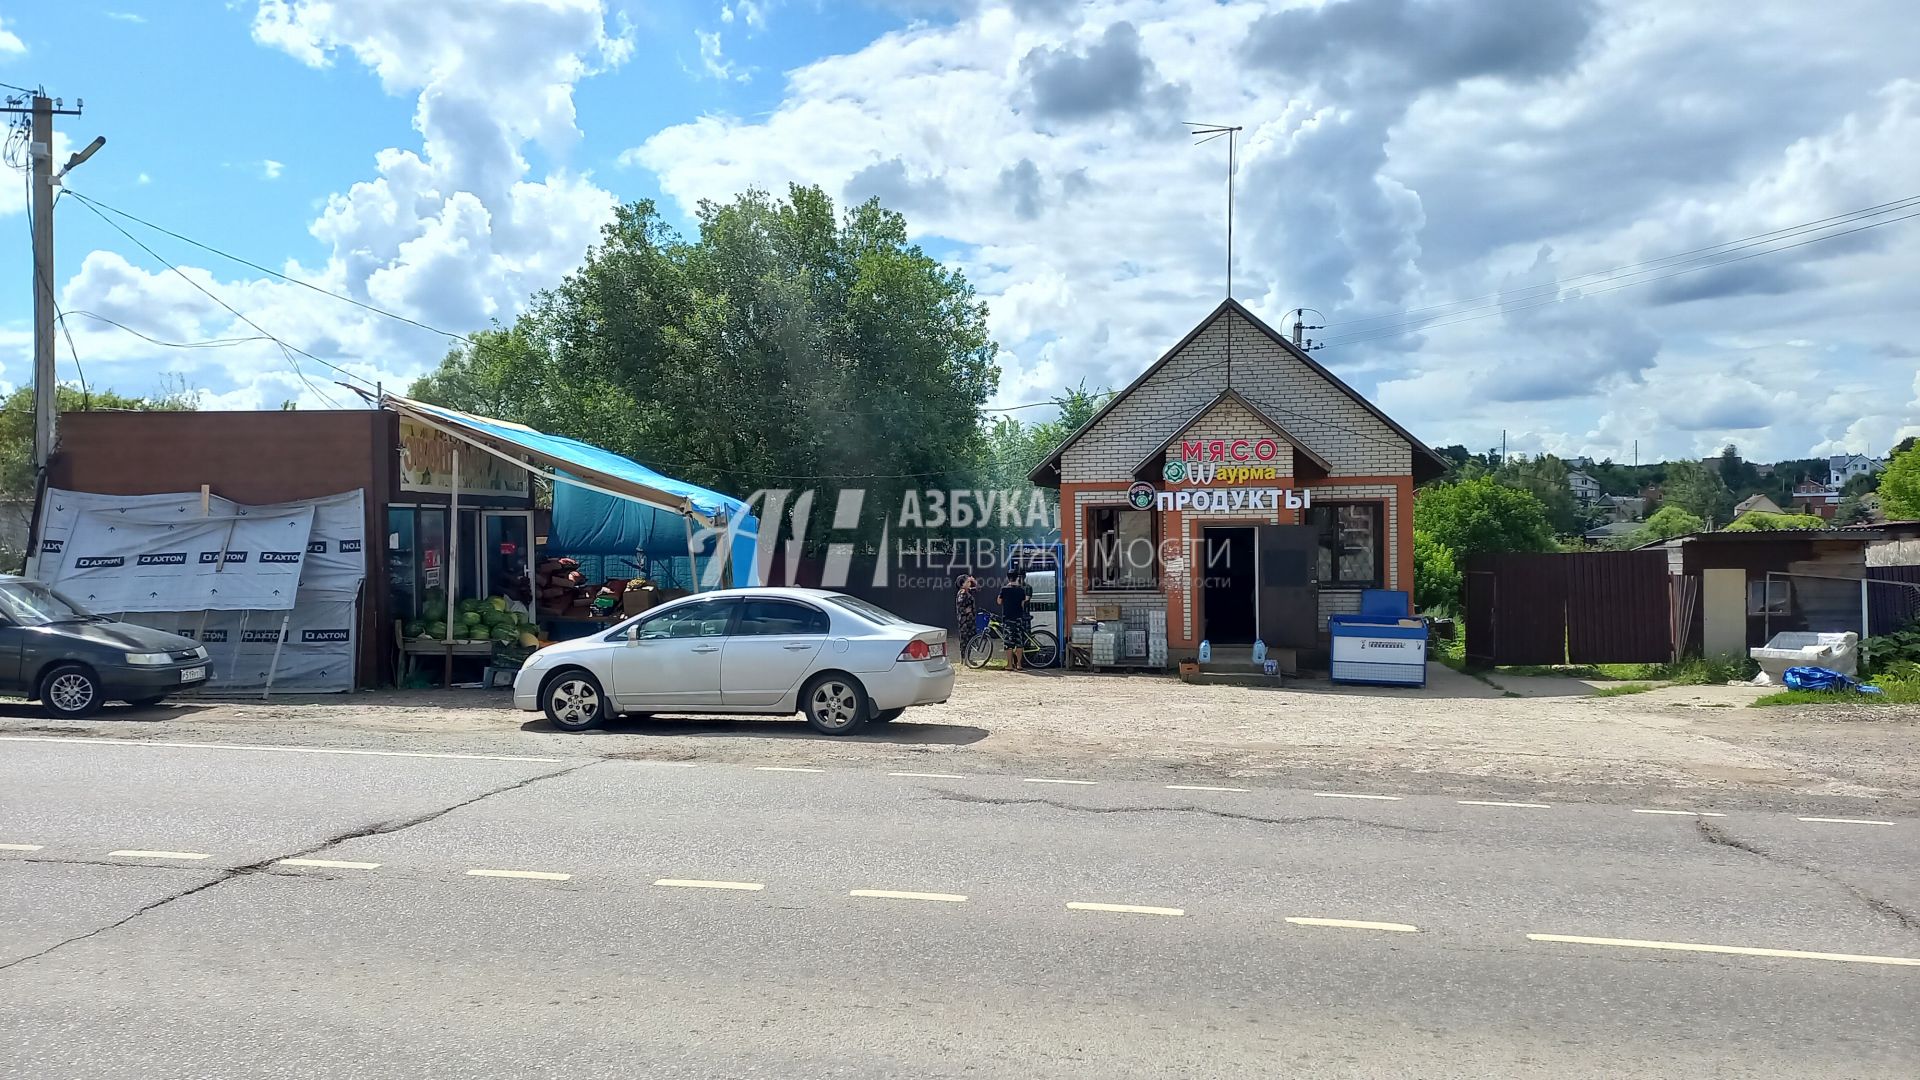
{"type": "Point", "coordinates": [1013, 615]}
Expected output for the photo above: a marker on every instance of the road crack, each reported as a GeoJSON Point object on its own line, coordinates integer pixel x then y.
{"type": "Point", "coordinates": [223, 876]}
{"type": "Point", "coordinates": [1305, 819]}
{"type": "Point", "coordinates": [1715, 834]}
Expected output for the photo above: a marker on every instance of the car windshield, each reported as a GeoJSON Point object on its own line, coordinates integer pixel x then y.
{"type": "Point", "coordinates": [29, 603]}
{"type": "Point", "coordinates": [870, 612]}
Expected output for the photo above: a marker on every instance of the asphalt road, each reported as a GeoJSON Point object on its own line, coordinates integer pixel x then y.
{"type": "Point", "coordinates": [576, 917]}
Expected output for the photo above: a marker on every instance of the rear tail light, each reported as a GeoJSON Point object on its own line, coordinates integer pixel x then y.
{"type": "Point", "coordinates": [923, 650]}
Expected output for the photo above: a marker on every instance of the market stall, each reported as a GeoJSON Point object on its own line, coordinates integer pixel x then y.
{"type": "Point", "coordinates": [618, 537]}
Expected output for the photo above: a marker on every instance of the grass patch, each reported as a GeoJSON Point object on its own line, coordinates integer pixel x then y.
{"type": "Point", "coordinates": [1623, 689]}
{"type": "Point", "coordinates": [1893, 692]}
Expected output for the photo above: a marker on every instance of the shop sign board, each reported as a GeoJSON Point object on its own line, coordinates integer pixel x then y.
{"type": "Point", "coordinates": [1224, 461]}
{"type": "Point", "coordinates": [1144, 496]}
{"type": "Point", "coordinates": [426, 464]}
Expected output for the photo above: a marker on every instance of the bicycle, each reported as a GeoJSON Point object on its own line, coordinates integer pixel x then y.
{"type": "Point", "coordinates": [1043, 646]}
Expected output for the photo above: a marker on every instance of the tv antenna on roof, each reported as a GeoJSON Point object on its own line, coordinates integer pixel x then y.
{"type": "Point", "coordinates": [1206, 133]}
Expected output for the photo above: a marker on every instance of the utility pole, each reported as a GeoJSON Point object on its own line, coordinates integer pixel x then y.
{"type": "Point", "coordinates": [43, 109]}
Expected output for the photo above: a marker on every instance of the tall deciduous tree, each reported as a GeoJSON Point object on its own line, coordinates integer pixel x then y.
{"type": "Point", "coordinates": [1699, 491]}
{"type": "Point", "coordinates": [1900, 486]}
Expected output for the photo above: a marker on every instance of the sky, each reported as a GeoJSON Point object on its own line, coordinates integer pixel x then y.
{"type": "Point", "coordinates": [1489, 205]}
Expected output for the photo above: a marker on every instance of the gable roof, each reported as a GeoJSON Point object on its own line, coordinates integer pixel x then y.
{"type": "Point", "coordinates": [1426, 464]}
{"type": "Point", "coordinates": [1756, 501]}
{"type": "Point", "coordinates": [1230, 394]}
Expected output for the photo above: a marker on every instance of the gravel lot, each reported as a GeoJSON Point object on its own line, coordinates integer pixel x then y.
{"type": "Point", "coordinates": [1671, 746]}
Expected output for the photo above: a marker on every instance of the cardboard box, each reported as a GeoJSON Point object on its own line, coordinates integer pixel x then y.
{"type": "Point", "coordinates": [1107, 612]}
{"type": "Point", "coordinates": [635, 601]}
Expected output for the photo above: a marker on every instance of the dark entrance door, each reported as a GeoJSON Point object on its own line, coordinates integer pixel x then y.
{"type": "Point", "coordinates": [1228, 585]}
{"type": "Point", "coordinates": [1289, 595]}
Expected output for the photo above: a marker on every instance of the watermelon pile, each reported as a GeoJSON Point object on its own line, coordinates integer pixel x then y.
{"type": "Point", "coordinates": [489, 619]}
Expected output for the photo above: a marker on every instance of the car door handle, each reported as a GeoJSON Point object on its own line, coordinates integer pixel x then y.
{"type": "Point", "coordinates": [797, 647]}
{"type": "Point", "coordinates": [706, 648]}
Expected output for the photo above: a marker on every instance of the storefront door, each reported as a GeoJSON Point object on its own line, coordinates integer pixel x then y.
{"type": "Point", "coordinates": [1230, 585]}
{"type": "Point", "coordinates": [503, 550]}
{"type": "Point", "coordinates": [1289, 594]}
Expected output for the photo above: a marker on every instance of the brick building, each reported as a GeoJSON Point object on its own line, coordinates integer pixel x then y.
{"type": "Point", "coordinates": [1242, 488]}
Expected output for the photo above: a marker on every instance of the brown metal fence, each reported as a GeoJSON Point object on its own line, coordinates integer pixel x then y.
{"type": "Point", "coordinates": [1893, 600]}
{"type": "Point", "coordinates": [1600, 607]}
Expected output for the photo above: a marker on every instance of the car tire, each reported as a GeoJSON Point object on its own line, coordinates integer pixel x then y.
{"type": "Point", "coordinates": [573, 701]}
{"type": "Point", "coordinates": [146, 702]}
{"type": "Point", "coordinates": [70, 691]}
{"type": "Point", "coordinates": [885, 715]}
{"type": "Point", "coordinates": [835, 704]}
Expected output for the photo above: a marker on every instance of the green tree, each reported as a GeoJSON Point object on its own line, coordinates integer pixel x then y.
{"type": "Point", "coordinates": [16, 426]}
{"type": "Point", "coordinates": [1861, 484]}
{"type": "Point", "coordinates": [1665, 524]}
{"type": "Point", "coordinates": [1900, 486]}
{"type": "Point", "coordinates": [1698, 490]}
{"type": "Point", "coordinates": [789, 345]}
{"type": "Point", "coordinates": [1436, 575]}
{"type": "Point", "coordinates": [1761, 521]}
{"type": "Point", "coordinates": [1480, 515]}
{"type": "Point", "coordinates": [1545, 478]}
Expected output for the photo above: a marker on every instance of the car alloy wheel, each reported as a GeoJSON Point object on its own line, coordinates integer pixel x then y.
{"type": "Point", "coordinates": [71, 692]}
{"type": "Point", "coordinates": [834, 706]}
{"type": "Point", "coordinates": [573, 703]}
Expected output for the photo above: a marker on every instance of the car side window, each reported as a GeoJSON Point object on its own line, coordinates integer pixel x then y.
{"type": "Point", "coordinates": [780, 618]}
{"type": "Point", "coordinates": [704, 619]}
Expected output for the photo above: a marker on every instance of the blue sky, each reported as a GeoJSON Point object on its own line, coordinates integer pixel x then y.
{"type": "Point", "coordinates": [446, 158]}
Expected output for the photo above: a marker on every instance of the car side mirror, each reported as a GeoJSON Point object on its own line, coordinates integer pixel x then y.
{"type": "Point", "coordinates": [633, 635]}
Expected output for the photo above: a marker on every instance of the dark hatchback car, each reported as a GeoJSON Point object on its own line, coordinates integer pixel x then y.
{"type": "Point", "coordinates": [72, 661]}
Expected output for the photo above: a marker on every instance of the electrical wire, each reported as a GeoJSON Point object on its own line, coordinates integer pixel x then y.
{"type": "Point", "coordinates": [208, 343]}
{"type": "Point", "coordinates": [230, 308]}
{"type": "Point", "coordinates": [1729, 245]}
{"type": "Point", "coordinates": [1395, 332]}
{"type": "Point", "coordinates": [98, 205]}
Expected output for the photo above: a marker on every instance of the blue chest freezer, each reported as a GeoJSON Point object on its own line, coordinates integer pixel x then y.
{"type": "Point", "coordinates": [1383, 644]}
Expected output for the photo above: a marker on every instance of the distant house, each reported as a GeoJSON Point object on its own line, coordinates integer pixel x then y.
{"type": "Point", "coordinates": [1622, 507]}
{"type": "Point", "coordinates": [1585, 488]}
{"type": "Point", "coordinates": [1844, 467]}
{"type": "Point", "coordinates": [1811, 497]}
{"type": "Point", "coordinates": [1612, 530]}
{"type": "Point", "coordinates": [1756, 504]}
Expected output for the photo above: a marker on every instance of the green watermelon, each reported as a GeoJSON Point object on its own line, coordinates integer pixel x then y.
{"type": "Point", "coordinates": [437, 630]}
{"type": "Point", "coordinates": [497, 603]}
{"type": "Point", "coordinates": [505, 635]}
{"type": "Point", "coordinates": [468, 606]}
{"type": "Point", "coordinates": [470, 618]}
{"type": "Point", "coordinates": [415, 628]}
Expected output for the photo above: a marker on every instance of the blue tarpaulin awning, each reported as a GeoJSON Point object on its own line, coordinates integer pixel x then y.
{"type": "Point", "coordinates": [605, 504]}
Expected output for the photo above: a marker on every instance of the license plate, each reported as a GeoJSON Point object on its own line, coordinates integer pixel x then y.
{"type": "Point", "coordinates": [193, 674]}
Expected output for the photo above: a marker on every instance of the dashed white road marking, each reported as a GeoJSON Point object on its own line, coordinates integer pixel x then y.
{"type": "Point", "coordinates": [274, 749]}
{"type": "Point", "coordinates": [1737, 950]}
{"type": "Point", "coordinates": [1355, 924]}
{"type": "Point", "coordinates": [1847, 820]}
{"type": "Point", "coordinates": [680, 883]}
{"type": "Point", "coordinates": [930, 775]}
{"type": "Point", "coordinates": [536, 875]}
{"type": "Point", "coordinates": [1202, 787]}
{"type": "Point", "coordinates": [1681, 813]}
{"type": "Point", "coordinates": [1050, 780]}
{"type": "Point", "coordinates": [783, 768]}
{"type": "Point", "coordinates": [330, 864]}
{"type": "Point", "coordinates": [1489, 802]}
{"type": "Point", "coordinates": [132, 854]}
{"type": "Point", "coordinates": [1352, 795]}
{"type": "Point", "coordinates": [888, 894]}
{"type": "Point", "coordinates": [1128, 909]}
{"type": "Point", "coordinates": [19, 847]}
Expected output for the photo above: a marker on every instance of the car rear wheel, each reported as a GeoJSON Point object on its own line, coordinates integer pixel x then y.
{"type": "Point", "coordinates": [70, 691]}
{"type": "Point", "coordinates": [574, 702]}
{"type": "Point", "coordinates": [835, 704]}
{"type": "Point", "coordinates": [885, 715]}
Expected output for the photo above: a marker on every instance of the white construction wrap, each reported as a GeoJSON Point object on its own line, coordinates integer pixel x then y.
{"type": "Point", "coordinates": [222, 572]}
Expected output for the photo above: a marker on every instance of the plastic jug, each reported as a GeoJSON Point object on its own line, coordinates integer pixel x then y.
{"type": "Point", "coordinates": [1259, 651]}
{"type": "Point", "coordinates": [1206, 652]}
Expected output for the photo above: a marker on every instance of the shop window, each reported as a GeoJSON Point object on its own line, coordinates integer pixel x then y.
{"type": "Point", "coordinates": [1351, 543]}
{"type": "Point", "coordinates": [1768, 597]}
{"type": "Point", "coordinates": [1122, 551]}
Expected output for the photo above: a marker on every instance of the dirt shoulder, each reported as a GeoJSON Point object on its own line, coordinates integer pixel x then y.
{"type": "Point", "coordinates": [1673, 746]}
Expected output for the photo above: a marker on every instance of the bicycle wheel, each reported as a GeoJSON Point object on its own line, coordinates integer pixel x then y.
{"type": "Point", "coordinates": [1043, 648]}
{"type": "Point", "coordinates": [980, 649]}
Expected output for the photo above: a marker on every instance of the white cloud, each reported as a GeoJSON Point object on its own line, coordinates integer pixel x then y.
{"type": "Point", "coordinates": [455, 232]}
{"type": "Point", "coordinates": [126, 16]}
{"type": "Point", "coordinates": [10, 43]}
{"type": "Point", "coordinates": [143, 179]}
{"type": "Point", "coordinates": [714, 61]}
{"type": "Point", "coordinates": [1393, 160]}
{"type": "Point", "coordinates": [751, 12]}
{"type": "Point", "coordinates": [271, 169]}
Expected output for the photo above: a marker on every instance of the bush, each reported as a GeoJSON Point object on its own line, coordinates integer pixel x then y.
{"type": "Point", "coordinates": [1761, 521]}
{"type": "Point", "coordinates": [1436, 576]}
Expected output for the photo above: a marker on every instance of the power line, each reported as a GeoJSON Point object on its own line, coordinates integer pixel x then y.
{"type": "Point", "coordinates": [98, 205]}
{"type": "Point", "coordinates": [236, 312]}
{"type": "Point", "coordinates": [208, 343]}
{"type": "Point", "coordinates": [1729, 245]}
{"type": "Point", "coordinates": [1395, 332]}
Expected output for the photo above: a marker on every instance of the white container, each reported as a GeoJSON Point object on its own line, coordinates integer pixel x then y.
{"type": "Point", "coordinates": [1798, 648]}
